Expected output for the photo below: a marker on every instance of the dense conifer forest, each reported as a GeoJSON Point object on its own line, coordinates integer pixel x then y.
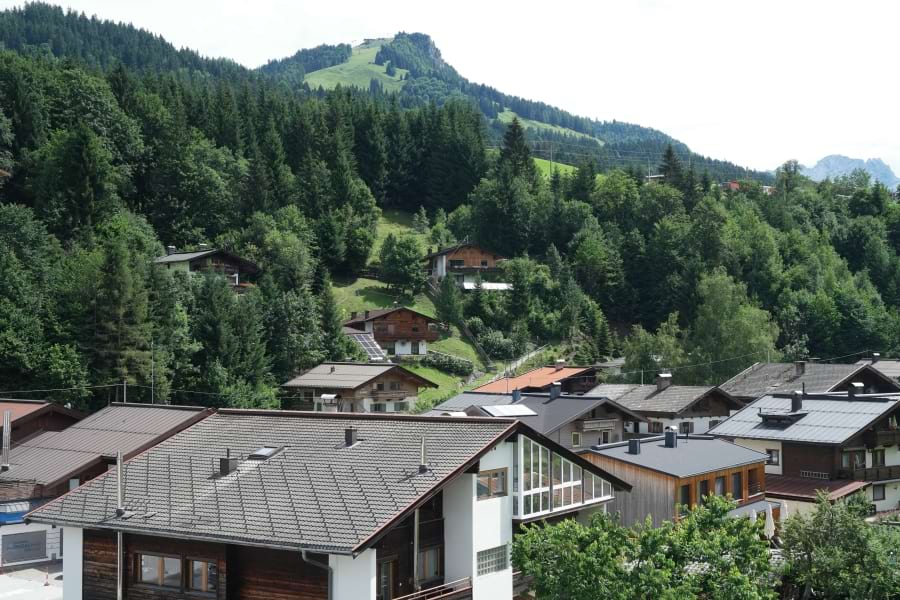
{"type": "Point", "coordinates": [113, 144]}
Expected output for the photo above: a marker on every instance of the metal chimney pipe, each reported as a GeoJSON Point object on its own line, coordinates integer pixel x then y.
{"type": "Point", "coordinates": [7, 434]}
{"type": "Point", "coordinates": [423, 457]}
{"type": "Point", "coordinates": [120, 484]}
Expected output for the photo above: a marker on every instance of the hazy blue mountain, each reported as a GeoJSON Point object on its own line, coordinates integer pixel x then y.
{"type": "Point", "coordinates": [836, 165]}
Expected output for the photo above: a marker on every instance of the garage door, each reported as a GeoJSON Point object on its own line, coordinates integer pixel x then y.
{"type": "Point", "coordinates": [20, 547]}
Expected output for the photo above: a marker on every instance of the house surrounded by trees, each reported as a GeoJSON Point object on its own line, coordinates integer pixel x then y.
{"type": "Point", "coordinates": [205, 260]}
{"type": "Point", "coordinates": [399, 331]}
{"type": "Point", "coordinates": [466, 263]}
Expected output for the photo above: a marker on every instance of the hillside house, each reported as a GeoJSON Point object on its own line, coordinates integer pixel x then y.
{"type": "Point", "coordinates": [690, 409]}
{"type": "Point", "coordinates": [466, 263]}
{"type": "Point", "coordinates": [285, 505]}
{"type": "Point", "coordinates": [30, 417]}
{"type": "Point", "coordinates": [572, 380]}
{"type": "Point", "coordinates": [48, 464]}
{"type": "Point", "coordinates": [670, 471]}
{"type": "Point", "coordinates": [761, 379]}
{"type": "Point", "coordinates": [837, 442]}
{"type": "Point", "coordinates": [204, 260]}
{"type": "Point", "coordinates": [399, 331]}
{"type": "Point", "coordinates": [571, 421]}
{"type": "Point", "coordinates": [366, 342]}
{"type": "Point", "coordinates": [356, 387]}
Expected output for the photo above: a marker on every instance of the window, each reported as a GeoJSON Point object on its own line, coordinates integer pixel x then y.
{"type": "Point", "coordinates": [493, 560]}
{"type": "Point", "coordinates": [576, 439]}
{"type": "Point", "coordinates": [853, 459]}
{"type": "Point", "coordinates": [604, 437]}
{"type": "Point", "coordinates": [774, 457]}
{"type": "Point", "coordinates": [379, 407]}
{"type": "Point", "coordinates": [720, 486]}
{"type": "Point", "coordinates": [394, 386]}
{"type": "Point", "coordinates": [713, 423]}
{"type": "Point", "coordinates": [878, 492]}
{"type": "Point", "coordinates": [484, 263]}
{"type": "Point", "coordinates": [457, 263]}
{"type": "Point", "coordinates": [415, 329]}
{"type": "Point", "coordinates": [702, 489]}
{"type": "Point", "coordinates": [379, 387]}
{"type": "Point", "coordinates": [684, 495]}
{"type": "Point", "coordinates": [430, 566]}
{"type": "Point", "coordinates": [737, 485]}
{"type": "Point", "coordinates": [414, 348]}
{"type": "Point", "coordinates": [878, 457]}
{"type": "Point", "coordinates": [491, 484]}
{"type": "Point", "coordinates": [686, 427]}
{"type": "Point", "coordinates": [656, 427]}
{"type": "Point", "coordinates": [204, 576]}
{"type": "Point", "coordinates": [161, 571]}
{"type": "Point", "coordinates": [401, 406]}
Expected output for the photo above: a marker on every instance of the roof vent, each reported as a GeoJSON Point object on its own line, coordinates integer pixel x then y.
{"type": "Point", "coordinates": [796, 402]}
{"type": "Point", "coordinates": [7, 432]}
{"type": "Point", "coordinates": [663, 380]}
{"type": "Point", "coordinates": [332, 369]}
{"type": "Point", "coordinates": [875, 357]}
{"type": "Point", "coordinates": [353, 314]}
{"type": "Point", "coordinates": [171, 250]}
{"type": "Point", "coordinates": [516, 395]}
{"type": "Point", "coordinates": [671, 437]}
{"type": "Point", "coordinates": [367, 314]}
{"type": "Point", "coordinates": [856, 388]}
{"type": "Point", "coordinates": [351, 437]}
{"type": "Point", "coordinates": [263, 453]}
{"type": "Point", "coordinates": [423, 457]}
{"type": "Point", "coordinates": [799, 367]}
{"type": "Point", "coordinates": [203, 247]}
{"type": "Point", "coordinates": [634, 446]}
{"type": "Point", "coordinates": [555, 390]}
{"type": "Point", "coordinates": [560, 364]}
{"type": "Point", "coordinates": [228, 464]}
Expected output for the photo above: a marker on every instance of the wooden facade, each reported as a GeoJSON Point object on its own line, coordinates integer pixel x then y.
{"type": "Point", "coordinates": [397, 325]}
{"type": "Point", "coordinates": [471, 257]}
{"type": "Point", "coordinates": [52, 419]}
{"type": "Point", "coordinates": [659, 494]}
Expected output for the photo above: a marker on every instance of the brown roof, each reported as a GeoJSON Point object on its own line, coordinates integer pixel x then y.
{"type": "Point", "coordinates": [540, 378]}
{"type": "Point", "coordinates": [449, 249]}
{"type": "Point", "coordinates": [20, 409]}
{"type": "Point", "coordinates": [797, 488]}
{"type": "Point", "coordinates": [372, 314]}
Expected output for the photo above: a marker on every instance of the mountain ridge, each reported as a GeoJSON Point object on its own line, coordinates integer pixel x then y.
{"type": "Point", "coordinates": [837, 165]}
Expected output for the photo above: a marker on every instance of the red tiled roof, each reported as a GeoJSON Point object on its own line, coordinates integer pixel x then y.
{"type": "Point", "coordinates": [536, 378]}
{"type": "Point", "coordinates": [799, 488]}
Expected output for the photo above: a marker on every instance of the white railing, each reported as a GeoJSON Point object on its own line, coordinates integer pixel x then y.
{"type": "Point", "coordinates": [447, 590]}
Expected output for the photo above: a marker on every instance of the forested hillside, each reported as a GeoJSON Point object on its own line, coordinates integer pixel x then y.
{"type": "Point", "coordinates": [108, 155]}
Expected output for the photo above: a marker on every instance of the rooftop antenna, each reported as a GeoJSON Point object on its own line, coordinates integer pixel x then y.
{"type": "Point", "coordinates": [6, 440]}
{"type": "Point", "coordinates": [423, 457]}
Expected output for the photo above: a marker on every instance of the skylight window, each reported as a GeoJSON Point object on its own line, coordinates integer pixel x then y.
{"type": "Point", "coordinates": [263, 453]}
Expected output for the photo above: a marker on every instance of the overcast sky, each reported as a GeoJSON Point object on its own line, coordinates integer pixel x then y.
{"type": "Point", "coordinates": [755, 82]}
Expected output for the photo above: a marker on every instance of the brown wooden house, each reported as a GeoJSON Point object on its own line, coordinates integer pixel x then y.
{"type": "Point", "coordinates": [356, 387]}
{"type": "Point", "coordinates": [29, 417]}
{"type": "Point", "coordinates": [669, 471]}
{"type": "Point", "coordinates": [399, 331]}
{"type": "Point", "coordinates": [466, 262]}
{"type": "Point", "coordinates": [239, 271]}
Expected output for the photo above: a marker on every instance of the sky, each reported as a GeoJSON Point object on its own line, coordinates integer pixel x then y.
{"type": "Point", "coordinates": [754, 82]}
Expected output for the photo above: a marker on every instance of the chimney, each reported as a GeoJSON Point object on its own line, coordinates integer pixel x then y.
{"type": "Point", "coordinates": [856, 388]}
{"type": "Point", "coordinates": [797, 402]}
{"type": "Point", "coordinates": [671, 437]}
{"type": "Point", "coordinates": [423, 457]}
{"type": "Point", "coordinates": [367, 314]}
{"type": "Point", "coordinates": [875, 357]}
{"type": "Point", "coordinates": [171, 250]}
{"type": "Point", "coordinates": [799, 367]}
{"type": "Point", "coordinates": [634, 446]}
{"type": "Point", "coordinates": [7, 432]}
{"type": "Point", "coordinates": [227, 464]}
{"type": "Point", "coordinates": [120, 484]}
{"type": "Point", "coordinates": [332, 369]}
{"type": "Point", "coordinates": [516, 395]}
{"type": "Point", "coordinates": [203, 247]}
{"type": "Point", "coordinates": [353, 314]}
{"type": "Point", "coordinates": [560, 364]}
{"type": "Point", "coordinates": [555, 390]}
{"type": "Point", "coordinates": [350, 436]}
{"type": "Point", "coordinates": [663, 380]}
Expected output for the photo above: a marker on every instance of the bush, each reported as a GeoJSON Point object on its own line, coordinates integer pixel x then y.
{"type": "Point", "coordinates": [448, 364]}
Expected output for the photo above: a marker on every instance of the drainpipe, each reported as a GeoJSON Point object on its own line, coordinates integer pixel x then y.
{"type": "Point", "coordinates": [415, 560]}
{"type": "Point", "coordinates": [321, 565]}
{"type": "Point", "coordinates": [120, 510]}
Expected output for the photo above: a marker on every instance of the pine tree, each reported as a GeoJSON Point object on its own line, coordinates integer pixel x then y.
{"type": "Point", "coordinates": [449, 302]}
{"type": "Point", "coordinates": [420, 220]}
{"type": "Point", "coordinates": [515, 155]}
{"type": "Point", "coordinates": [671, 168]}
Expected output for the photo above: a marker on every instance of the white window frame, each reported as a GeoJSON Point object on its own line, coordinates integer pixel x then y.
{"type": "Point", "coordinates": [576, 439]}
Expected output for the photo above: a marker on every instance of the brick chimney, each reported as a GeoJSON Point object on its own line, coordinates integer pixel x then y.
{"type": "Point", "coordinates": [799, 368]}
{"type": "Point", "coordinates": [663, 380]}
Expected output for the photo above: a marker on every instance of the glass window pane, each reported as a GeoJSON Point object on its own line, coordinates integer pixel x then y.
{"type": "Point", "coordinates": [484, 489]}
{"type": "Point", "coordinates": [545, 501]}
{"type": "Point", "coordinates": [545, 467]}
{"type": "Point", "coordinates": [557, 498]}
{"type": "Point", "coordinates": [557, 468]}
{"type": "Point", "coordinates": [576, 491]}
{"type": "Point", "coordinates": [526, 464]}
{"type": "Point", "coordinates": [171, 572]}
{"type": "Point", "coordinates": [149, 569]}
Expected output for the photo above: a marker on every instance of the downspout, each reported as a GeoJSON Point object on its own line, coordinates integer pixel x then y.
{"type": "Point", "coordinates": [415, 560]}
{"type": "Point", "coordinates": [321, 565]}
{"type": "Point", "coordinates": [120, 510]}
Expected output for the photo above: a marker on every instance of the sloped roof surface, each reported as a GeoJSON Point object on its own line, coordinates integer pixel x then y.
{"type": "Point", "coordinates": [314, 493]}
{"type": "Point", "coordinates": [767, 378]}
{"type": "Point", "coordinates": [541, 377]}
{"type": "Point", "coordinates": [52, 455]}
{"type": "Point", "coordinates": [801, 488]}
{"type": "Point", "coordinates": [467, 399]}
{"type": "Point", "coordinates": [827, 420]}
{"type": "Point", "coordinates": [647, 398]}
{"type": "Point", "coordinates": [20, 408]}
{"type": "Point", "coordinates": [183, 256]}
{"type": "Point", "coordinates": [886, 366]}
{"type": "Point", "coordinates": [366, 341]}
{"type": "Point", "coordinates": [692, 455]}
{"type": "Point", "coordinates": [376, 313]}
{"type": "Point", "coordinates": [339, 375]}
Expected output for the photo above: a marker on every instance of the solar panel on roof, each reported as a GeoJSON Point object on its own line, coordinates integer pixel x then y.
{"type": "Point", "coordinates": [508, 410]}
{"type": "Point", "coordinates": [369, 346]}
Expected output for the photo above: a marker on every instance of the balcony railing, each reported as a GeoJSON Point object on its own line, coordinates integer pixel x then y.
{"type": "Point", "coordinates": [754, 488]}
{"type": "Point", "coordinates": [461, 588]}
{"type": "Point", "coordinates": [871, 474]}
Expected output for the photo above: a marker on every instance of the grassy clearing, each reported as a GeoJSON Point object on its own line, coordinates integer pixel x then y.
{"type": "Point", "coordinates": [358, 72]}
{"type": "Point", "coordinates": [453, 343]}
{"type": "Point", "coordinates": [361, 294]}
{"type": "Point", "coordinates": [399, 223]}
{"type": "Point", "coordinates": [507, 116]}
{"type": "Point", "coordinates": [546, 169]}
{"type": "Point", "coordinates": [448, 386]}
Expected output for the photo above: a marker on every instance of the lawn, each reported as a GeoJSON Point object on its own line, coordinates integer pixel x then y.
{"type": "Point", "coordinates": [507, 116]}
{"type": "Point", "coordinates": [545, 169]}
{"type": "Point", "coordinates": [456, 345]}
{"type": "Point", "coordinates": [361, 294]}
{"type": "Point", "coordinates": [399, 223]}
{"type": "Point", "coordinates": [448, 386]}
{"type": "Point", "coordinates": [358, 71]}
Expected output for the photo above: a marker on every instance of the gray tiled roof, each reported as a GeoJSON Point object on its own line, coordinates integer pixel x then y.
{"type": "Point", "coordinates": [828, 420]}
{"type": "Point", "coordinates": [648, 399]}
{"type": "Point", "coordinates": [767, 378]}
{"type": "Point", "coordinates": [52, 455]}
{"type": "Point", "coordinates": [315, 493]}
{"type": "Point", "coordinates": [549, 415]}
{"type": "Point", "coordinates": [692, 455]}
{"type": "Point", "coordinates": [177, 257]}
{"type": "Point", "coordinates": [341, 375]}
{"type": "Point", "coordinates": [886, 366]}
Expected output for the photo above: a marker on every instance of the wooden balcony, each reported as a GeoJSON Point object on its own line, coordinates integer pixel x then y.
{"type": "Point", "coordinates": [455, 590]}
{"type": "Point", "coordinates": [871, 474]}
{"type": "Point", "coordinates": [884, 437]}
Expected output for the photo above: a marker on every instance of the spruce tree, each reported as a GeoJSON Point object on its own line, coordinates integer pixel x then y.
{"type": "Point", "coordinates": [515, 156]}
{"type": "Point", "coordinates": [671, 168]}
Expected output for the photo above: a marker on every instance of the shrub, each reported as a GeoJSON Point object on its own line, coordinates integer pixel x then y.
{"type": "Point", "coordinates": [448, 364]}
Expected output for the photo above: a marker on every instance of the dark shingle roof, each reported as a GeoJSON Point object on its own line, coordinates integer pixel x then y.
{"type": "Point", "coordinates": [767, 378]}
{"type": "Point", "coordinates": [52, 456]}
{"type": "Point", "coordinates": [889, 367]}
{"type": "Point", "coordinates": [315, 493]}
{"type": "Point", "coordinates": [826, 419]}
{"type": "Point", "coordinates": [693, 455]}
{"type": "Point", "coordinates": [648, 399]}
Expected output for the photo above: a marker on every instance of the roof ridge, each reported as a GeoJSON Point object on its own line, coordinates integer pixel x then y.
{"type": "Point", "coordinates": [310, 414]}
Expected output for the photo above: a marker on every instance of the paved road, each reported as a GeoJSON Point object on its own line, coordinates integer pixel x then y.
{"type": "Point", "coordinates": [28, 584]}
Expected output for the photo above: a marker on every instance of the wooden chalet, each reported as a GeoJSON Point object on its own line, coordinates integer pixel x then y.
{"type": "Point", "coordinates": [466, 263]}
{"type": "Point", "coordinates": [399, 331]}
{"type": "Point", "coordinates": [29, 417]}
{"type": "Point", "coordinates": [239, 271]}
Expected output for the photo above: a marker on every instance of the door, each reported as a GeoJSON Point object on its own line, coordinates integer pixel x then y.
{"type": "Point", "coordinates": [387, 579]}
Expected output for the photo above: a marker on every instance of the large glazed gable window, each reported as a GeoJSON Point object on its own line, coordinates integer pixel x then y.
{"type": "Point", "coordinates": [551, 482]}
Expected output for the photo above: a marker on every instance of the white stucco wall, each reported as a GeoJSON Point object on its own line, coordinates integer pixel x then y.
{"type": "Point", "coordinates": [891, 495]}
{"type": "Point", "coordinates": [354, 578]}
{"type": "Point", "coordinates": [701, 424]}
{"type": "Point", "coordinates": [72, 563]}
{"type": "Point", "coordinates": [493, 528]}
{"type": "Point", "coordinates": [459, 529]}
{"type": "Point", "coordinates": [404, 347]}
{"type": "Point", "coordinates": [762, 446]}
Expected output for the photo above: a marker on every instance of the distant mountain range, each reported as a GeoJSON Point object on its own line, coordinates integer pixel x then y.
{"type": "Point", "coordinates": [837, 165]}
